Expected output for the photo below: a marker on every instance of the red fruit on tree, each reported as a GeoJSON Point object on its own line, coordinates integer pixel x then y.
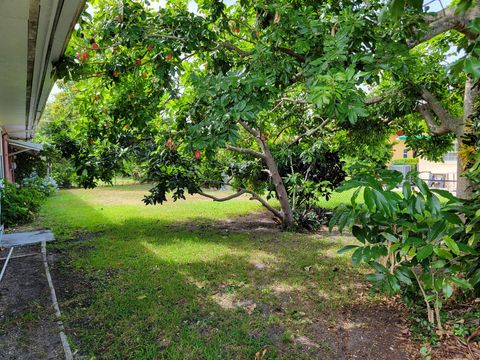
{"type": "Point", "coordinates": [138, 61]}
{"type": "Point", "coordinates": [198, 154]}
{"type": "Point", "coordinates": [84, 56]}
{"type": "Point", "coordinates": [169, 57]}
{"type": "Point", "coordinates": [95, 46]}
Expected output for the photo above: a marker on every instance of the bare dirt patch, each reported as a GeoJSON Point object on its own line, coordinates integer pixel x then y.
{"type": "Point", "coordinates": [28, 329]}
{"type": "Point", "coordinates": [257, 223]}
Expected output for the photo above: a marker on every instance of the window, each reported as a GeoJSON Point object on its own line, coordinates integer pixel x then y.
{"type": "Point", "coordinates": [405, 153]}
{"type": "Point", "coordinates": [451, 155]}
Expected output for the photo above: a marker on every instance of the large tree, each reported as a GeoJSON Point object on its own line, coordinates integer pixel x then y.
{"type": "Point", "coordinates": [254, 95]}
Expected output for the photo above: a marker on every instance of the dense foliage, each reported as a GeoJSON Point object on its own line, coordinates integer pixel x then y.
{"type": "Point", "coordinates": [238, 94]}
{"type": "Point", "coordinates": [417, 244]}
{"type": "Point", "coordinates": [21, 203]}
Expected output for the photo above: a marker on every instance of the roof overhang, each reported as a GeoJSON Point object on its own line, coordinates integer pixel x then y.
{"type": "Point", "coordinates": [22, 146]}
{"type": "Point", "coordinates": [35, 34]}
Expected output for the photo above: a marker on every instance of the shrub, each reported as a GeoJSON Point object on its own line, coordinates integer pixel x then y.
{"type": "Point", "coordinates": [20, 203]}
{"type": "Point", "coordinates": [46, 185]}
{"type": "Point", "coordinates": [64, 173]}
{"type": "Point", "coordinates": [416, 244]}
{"type": "Point", "coordinates": [408, 161]}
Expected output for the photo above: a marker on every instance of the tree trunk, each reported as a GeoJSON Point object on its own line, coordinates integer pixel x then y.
{"type": "Point", "coordinates": [282, 194]}
{"type": "Point", "coordinates": [464, 185]}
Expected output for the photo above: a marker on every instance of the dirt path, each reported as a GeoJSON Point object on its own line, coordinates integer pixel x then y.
{"type": "Point", "coordinates": [28, 329]}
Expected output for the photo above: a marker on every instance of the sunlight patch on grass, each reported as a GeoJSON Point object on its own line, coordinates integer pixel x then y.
{"type": "Point", "coordinates": [161, 282]}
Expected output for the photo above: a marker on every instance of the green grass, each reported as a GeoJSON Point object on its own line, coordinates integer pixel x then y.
{"type": "Point", "coordinates": [337, 198]}
{"type": "Point", "coordinates": [165, 282]}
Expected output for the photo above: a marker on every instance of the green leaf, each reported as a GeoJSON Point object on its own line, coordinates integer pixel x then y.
{"type": "Point", "coordinates": [463, 6]}
{"type": "Point", "coordinates": [389, 237]}
{"type": "Point", "coordinates": [467, 249]}
{"type": "Point", "coordinates": [406, 190]}
{"type": "Point", "coordinates": [357, 256]}
{"type": "Point", "coordinates": [392, 284]}
{"type": "Point", "coordinates": [444, 254]}
{"type": "Point", "coordinates": [403, 276]}
{"type": "Point", "coordinates": [437, 230]}
{"type": "Point", "coordinates": [475, 278]}
{"type": "Point", "coordinates": [424, 252]}
{"type": "Point", "coordinates": [344, 218]}
{"type": "Point", "coordinates": [447, 289]}
{"type": "Point", "coordinates": [446, 194]}
{"type": "Point", "coordinates": [376, 277]}
{"type": "Point", "coordinates": [472, 66]}
{"type": "Point", "coordinates": [397, 8]}
{"type": "Point", "coordinates": [379, 267]}
{"type": "Point", "coordinates": [347, 248]}
{"type": "Point", "coordinates": [422, 186]}
{"type": "Point", "coordinates": [369, 200]}
{"type": "Point", "coordinates": [452, 245]}
{"type": "Point", "coordinates": [359, 233]}
{"type": "Point", "coordinates": [462, 283]}
{"type": "Point", "coordinates": [353, 200]}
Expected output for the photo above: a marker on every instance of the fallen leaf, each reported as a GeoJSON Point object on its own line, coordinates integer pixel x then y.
{"type": "Point", "coordinates": [261, 354]}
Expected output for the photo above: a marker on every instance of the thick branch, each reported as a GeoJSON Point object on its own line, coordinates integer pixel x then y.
{"type": "Point", "coordinates": [376, 99]}
{"type": "Point", "coordinates": [447, 122]}
{"type": "Point", "coordinates": [291, 53]}
{"type": "Point", "coordinates": [214, 198]}
{"type": "Point", "coordinates": [257, 197]}
{"type": "Point", "coordinates": [246, 151]}
{"type": "Point", "coordinates": [239, 51]}
{"type": "Point", "coordinates": [249, 129]}
{"type": "Point", "coordinates": [446, 20]}
{"type": "Point", "coordinates": [432, 125]}
{"type": "Point", "coordinates": [254, 196]}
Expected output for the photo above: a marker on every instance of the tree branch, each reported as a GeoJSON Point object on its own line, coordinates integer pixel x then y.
{"type": "Point", "coordinates": [249, 129]}
{"type": "Point", "coordinates": [447, 122]}
{"type": "Point", "coordinates": [309, 132]}
{"type": "Point", "coordinates": [232, 47]}
{"type": "Point", "coordinates": [376, 99]}
{"type": "Point", "coordinates": [246, 151]}
{"type": "Point", "coordinates": [214, 198]}
{"type": "Point", "coordinates": [447, 19]}
{"type": "Point", "coordinates": [254, 196]}
{"type": "Point", "coordinates": [431, 124]}
{"type": "Point", "coordinates": [257, 197]}
{"type": "Point", "coordinates": [291, 53]}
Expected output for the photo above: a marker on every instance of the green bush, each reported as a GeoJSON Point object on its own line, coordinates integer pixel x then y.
{"type": "Point", "coordinates": [417, 245]}
{"type": "Point", "coordinates": [20, 203]}
{"type": "Point", "coordinates": [406, 161]}
{"type": "Point", "coordinates": [64, 173]}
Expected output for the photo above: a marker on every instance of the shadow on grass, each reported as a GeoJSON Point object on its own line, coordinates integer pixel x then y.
{"type": "Point", "coordinates": [152, 290]}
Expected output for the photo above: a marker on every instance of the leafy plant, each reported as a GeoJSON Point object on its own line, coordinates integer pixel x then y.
{"type": "Point", "coordinates": [232, 84]}
{"type": "Point", "coordinates": [20, 204]}
{"type": "Point", "coordinates": [417, 245]}
{"type": "Point", "coordinates": [408, 161]}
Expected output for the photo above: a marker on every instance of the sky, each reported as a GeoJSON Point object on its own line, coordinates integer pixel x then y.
{"type": "Point", "coordinates": [433, 5]}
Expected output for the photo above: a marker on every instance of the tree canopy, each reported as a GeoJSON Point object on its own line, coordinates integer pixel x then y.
{"type": "Point", "coordinates": [265, 96]}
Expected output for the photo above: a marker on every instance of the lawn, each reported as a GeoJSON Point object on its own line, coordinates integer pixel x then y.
{"type": "Point", "coordinates": [181, 281]}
